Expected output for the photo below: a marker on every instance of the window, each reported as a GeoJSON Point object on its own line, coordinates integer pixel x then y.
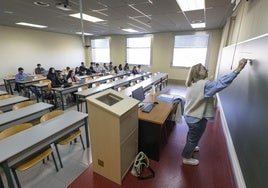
{"type": "Point", "coordinates": [190, 50]}
{"type": "Point", "coordinates": [100, 50]}
{"type": "Point", "coordinates": [139, 50]}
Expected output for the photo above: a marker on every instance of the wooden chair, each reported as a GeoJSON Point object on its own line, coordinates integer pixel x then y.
{"type": "Point", "coordinates": [88, 79]}
{"type": "Point", "coordinates": [66, 139]}
{"type": "Point", "coordinates": [47, 94]}
{"type": "Point", "coordinates": [22, 104]}
{"type": "Point", "coordinates": [117, 78]}
{"type": "Point", "coordinates": [2, 97]}
{"type": "Point", "coordinates": [121, 88]}
{"type": "Point", "coordinates": [33, 159]}
{"type": "Point", "coordinates": [132, 83]}
{"type": "Point", "coordinates": [95, 77]}
{"type": "Point", "coordinates": [95, 84]}
{"type": "Point", "coordinates": [10, 76]}
{"type": "Point", "coordinates": [109, 81]}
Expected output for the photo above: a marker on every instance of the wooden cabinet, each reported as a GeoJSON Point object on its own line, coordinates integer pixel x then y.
{"type": "Point", "coordinates": [113, 124]}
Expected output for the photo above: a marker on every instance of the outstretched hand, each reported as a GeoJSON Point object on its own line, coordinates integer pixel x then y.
{"type": "Point", "coordinates": [241, 65]}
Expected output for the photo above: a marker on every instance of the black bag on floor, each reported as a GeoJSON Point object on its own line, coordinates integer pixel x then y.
{"type": "Point", "coordinates": [140, 164]}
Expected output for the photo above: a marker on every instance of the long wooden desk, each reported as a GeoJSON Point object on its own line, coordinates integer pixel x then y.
{"type": "Point", "coordinates": [150, 127]}
{"type": "Point", "coordinates": [6, 104]}
{"type": "Point", "coordinates": [23, 115]}
{"type": "Point", "coordinates": [21, 145]}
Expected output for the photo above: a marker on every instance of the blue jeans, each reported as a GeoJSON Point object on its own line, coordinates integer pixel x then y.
{"type": "Point", "coordinates": [194, 134]}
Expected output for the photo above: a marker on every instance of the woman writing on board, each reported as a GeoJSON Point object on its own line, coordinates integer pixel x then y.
{"type": "Point", "coordinates": [199, 106]}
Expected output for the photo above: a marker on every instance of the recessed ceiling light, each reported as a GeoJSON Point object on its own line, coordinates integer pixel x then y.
{"type": "Point", "coordinates": [130, 30]}
{"type": "Point", "coordinates": [31, 25]}
{"type": "Point", "coordinates": [8, 12]}
{"type": "Point", "coordinates": [189, 5]}
{"type": "Point", "coordinates": [198, 25]}
{"type": "Point", "coordinates": [87, 17]}
{"type": "Point", "coordinates": [41, 4]}
{"type": "Point", "coordinates": [80, 33]}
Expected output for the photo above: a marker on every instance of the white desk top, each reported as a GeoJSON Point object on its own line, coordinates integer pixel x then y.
{"type": "Point", "coordinates": [144, 83]}
{"type": "Point", "coordinates": [21, 141]}
{"type": "Point", "coordinates": [13, 100]}
{"type": "Point", "coordinates": [23, 112]}
{"type": "Point", "coordinates": [31, 81]}
{"type": "Point", "coordinates": [91, 91]}
{"type": "Point", "coordinates": [3, 92]}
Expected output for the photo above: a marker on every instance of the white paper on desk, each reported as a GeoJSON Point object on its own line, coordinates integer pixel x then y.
{"type": "Point", "coordinates": [165, 98]}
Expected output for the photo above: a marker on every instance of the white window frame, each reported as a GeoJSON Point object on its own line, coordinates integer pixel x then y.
{"type": "Point", "coordinates": [101, 58]}
{"type": "Point", "coordinates": [139, 48]}
{"type": "Point", "coordinates": [186, 54]}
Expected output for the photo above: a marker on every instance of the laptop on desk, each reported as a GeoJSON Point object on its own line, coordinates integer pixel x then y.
{"type": "Point", "coordinates": [28, 78]}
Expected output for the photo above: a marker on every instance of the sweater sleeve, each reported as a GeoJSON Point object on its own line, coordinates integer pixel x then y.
{"type": "Point", "coordinates": [213, 87]}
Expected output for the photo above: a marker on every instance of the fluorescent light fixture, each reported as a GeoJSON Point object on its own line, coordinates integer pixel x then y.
{"type": "Point", "coordinates": [198, 25]}
{"type": "Point", "coordinates": [31, 25]}
{"type": "Point", "coordinates": [80, 33]}
{"type": "Point", "coordinates": [86, 17]}
{"type": "Point", "coordinates": [130, 30]}
{"type": "Point", "coordinates": [189, 5]}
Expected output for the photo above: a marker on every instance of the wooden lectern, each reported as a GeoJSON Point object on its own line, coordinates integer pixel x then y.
{"type": "Point", "coordinates": [113, 124]}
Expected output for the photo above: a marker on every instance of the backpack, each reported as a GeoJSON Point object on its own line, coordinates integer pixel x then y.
{"type": "Point", "coordinates": [141, 162]}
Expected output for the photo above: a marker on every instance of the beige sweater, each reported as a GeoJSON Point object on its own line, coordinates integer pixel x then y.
{"type": "Point", "coordinates": [196, 104]}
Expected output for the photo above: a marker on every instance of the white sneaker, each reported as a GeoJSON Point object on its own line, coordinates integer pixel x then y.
{"type": "Point", "coordinates": [190, 161]}
{"type": "Point", "coordinates": [197, 148]}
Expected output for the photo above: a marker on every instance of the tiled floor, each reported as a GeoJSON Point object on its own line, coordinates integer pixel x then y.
{"type": "Point", "coordinates": [76, 161]}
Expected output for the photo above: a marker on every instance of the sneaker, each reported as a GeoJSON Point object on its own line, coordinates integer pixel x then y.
{"type": "Point", "coordinates": [190, 161]}
{"type": "Point", "coordinates": [197, 148]}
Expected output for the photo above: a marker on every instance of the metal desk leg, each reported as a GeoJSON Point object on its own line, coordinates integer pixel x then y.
{"type": "Point", "coordinates": [62, 103]}
{"type": "Point", "coordinates": [8, 175]}
{"type": "Point", "coordinates": [6, 85]}
{"type": "Point", "coordinates": [10, 87]}
{"type": "Point", "coordinates": [77, 102]}
{"type": "Point", "coordinates": [55, 99]}
{"type": "Point", "coordinates": [86, 131]}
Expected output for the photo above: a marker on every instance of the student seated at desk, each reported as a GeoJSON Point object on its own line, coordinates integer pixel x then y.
{"type": "Point", "coordinates": [55, 82]}
{"type": "Point", "coordinates": [134, 70]}
{"type": "Point", "coordinates": [78, 72]}
{"type": "Point", "coordinates": [20, 77]}
{"type": "Point", "coordinates": [71, 77]}
{"type": "Point", "coordinates": [39, 69]}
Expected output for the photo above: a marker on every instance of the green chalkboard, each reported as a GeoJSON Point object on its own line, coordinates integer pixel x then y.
{"type": "Point", "coordinates": [245, 106]}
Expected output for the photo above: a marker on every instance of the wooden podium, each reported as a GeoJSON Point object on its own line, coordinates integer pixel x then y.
{"type": "Point", "coordinates": [113, 124]}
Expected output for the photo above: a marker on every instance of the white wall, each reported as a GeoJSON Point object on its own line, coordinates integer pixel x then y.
{"type": "Point", "coordinates": [25, 48]}
{"type": "Point", "coordinates": [251, 20]}
{"type": "Point", "coordinates": [162, 53]}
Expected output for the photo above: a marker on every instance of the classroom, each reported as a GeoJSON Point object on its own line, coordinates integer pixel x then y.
{"type": "Point", "coordinates": [161, 41]}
